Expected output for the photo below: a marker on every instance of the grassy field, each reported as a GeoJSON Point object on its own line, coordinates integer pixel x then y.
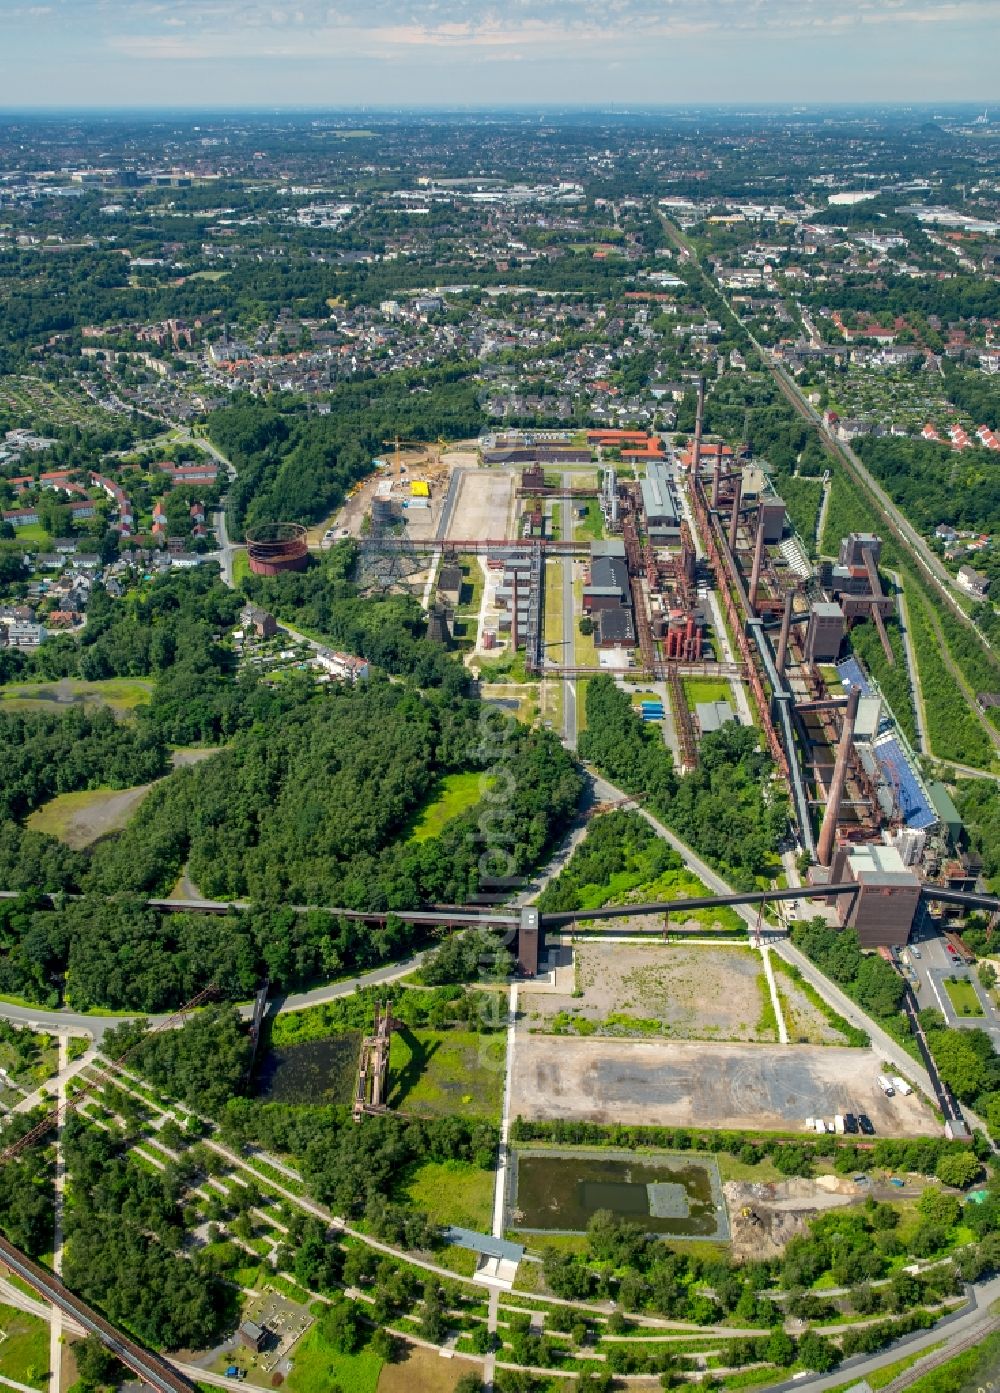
{"type": "Point", "coordinates": [646, 872]}
{"type": "Point", "coordinates": [452, 1192]}
{"type": "Point", "coordinates": [34, 532]}
{"type": "Point", "coordinates": [24, 1348]}
{"type": "Point", "coordinates": [318, 1367]}
{"type": "Point", "coordinates": [553, 611]}
{"type": "Point", "coordinates": [706, 689]}
{"type": "Point", "coordinates": [469, 602]}
{"type": "Point", "coordinates": [423, 1371]}
{"type": "Point", "coordinates": [443, 1072]}
{"type": "Point", "coordinates": [962, 995]}
{"type": "Point", "coordinates": [241, 567]}
{"type": "Point", "coordinates": [122, 694]}
{"type": "Point", "coordinates": [592, 525]}
{"type": "Point", "coordinates": [78, 819]}
{"type": "Point", "coordinates": [454, 793]}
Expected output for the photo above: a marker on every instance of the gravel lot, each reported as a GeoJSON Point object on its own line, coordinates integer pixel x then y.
{"type": "Point", "coordinates": [694, 991]}
{"type": "Point", "coordinates": [677, 1084]}
{"type": "Point", "coordinates": [482, 506]}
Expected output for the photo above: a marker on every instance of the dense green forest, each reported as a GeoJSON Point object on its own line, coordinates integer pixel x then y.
{"type": "Point", "coordinates": [954, 729]}
{"type": "Point", "coordinates": [935, 484]}
{"type": "Point", "coordinates": [968, 1064]}
{"type": "Point", "coordinates": [27, 1211]}
{"type": "Point", "coordinates": [727, 809]}
{"type": "Point", "coordinates": [124, 1235]}
{"type": "Point", "coordinates": [978, 801]}
{"type": "Point", "coordinates": [42, 755]}
{"type": "Point", "coordinates": [894, 680]}
{"type": "Point", "coordinates": [295, 467]}
{"type": "Point", "coordinates": [315, 809]}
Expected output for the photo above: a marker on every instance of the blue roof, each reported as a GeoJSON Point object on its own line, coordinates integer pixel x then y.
{"type": "Point", "coordinates": [916, 811]}
{"type": "Point", "coordinates": [851, 675]}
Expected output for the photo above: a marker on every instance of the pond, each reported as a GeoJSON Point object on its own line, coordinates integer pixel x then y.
{"type": "Point", "coordinates": [671, 1196]}
{"type": "Point", "coordinates": [317, 1071]}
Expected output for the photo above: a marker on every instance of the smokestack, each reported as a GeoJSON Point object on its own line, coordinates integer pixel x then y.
{"type": "Point", "coordinates": [716, 478]}
{"type": "Point", "coordinates": [828, 831]}
{"type": "Point", "coordinates": [734, 521]}
{"type": "Point", "coordinates": [786, 624]}
{"type": "Point", "coordinates": [698, 419]}
{"type": "Point", "coordinates": [758, 557]}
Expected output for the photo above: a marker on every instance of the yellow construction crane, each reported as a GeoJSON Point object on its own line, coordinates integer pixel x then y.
{"type": "Point", "coordinates": [399, 445]}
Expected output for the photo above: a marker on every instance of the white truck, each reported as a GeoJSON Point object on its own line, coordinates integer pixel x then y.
{"type": "Point", "coordinates": [838, 1125]}
{"type": "Point", "coordinates": [901, 1086]}
{"type": "Point", "coordinates": [885, 1084]}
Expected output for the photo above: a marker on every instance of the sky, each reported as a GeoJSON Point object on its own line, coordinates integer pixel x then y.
{"type": "Point", "coordinates": [391, 53]}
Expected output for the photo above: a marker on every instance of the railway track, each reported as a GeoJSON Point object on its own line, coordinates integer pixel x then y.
{"type": "Point", "coordinates": [151, 1368]}
{"type": "Point", "coordinates": [942, 1356]}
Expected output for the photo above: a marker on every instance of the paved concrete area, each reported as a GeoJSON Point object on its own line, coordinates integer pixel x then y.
{"type": "Point", "coordinates": [482, 506]}
{"type": "Point", "coordinates": [685, 1084]}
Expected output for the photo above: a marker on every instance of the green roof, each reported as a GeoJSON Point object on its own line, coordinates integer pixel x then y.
{"type": "Point", "coordinates": [943, 805]}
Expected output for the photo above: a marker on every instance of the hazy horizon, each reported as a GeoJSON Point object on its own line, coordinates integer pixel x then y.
{"type": "Point", "coordinates": [429, 54]}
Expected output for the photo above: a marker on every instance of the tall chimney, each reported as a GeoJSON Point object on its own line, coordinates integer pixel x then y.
{"type": "Point", "coordinates": [758, 557]}
{"type": "Point", "coordinates": [786, 624]}
{"type": "Point", "coordinates": [828, 831]}
{"type": "Point", "coordinates": [716, 478]}
{"type": "Point", "coordinates": [734, 521]}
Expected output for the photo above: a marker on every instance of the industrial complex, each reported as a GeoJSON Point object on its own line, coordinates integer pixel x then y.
{"type": "Point", "coordinates": [668, 562]}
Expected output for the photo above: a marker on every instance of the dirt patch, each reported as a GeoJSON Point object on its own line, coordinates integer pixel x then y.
{"type": "Point", "coordinates": [181, 759]}
{"type": "Point", "coordinates": [483, 505]}
{"type": "Point", "coordinates": [78, 819]}
{"type": "Point", "coordinates": [763, 1217]}
{"type": "Point", "coordinates": [685, 990]}
{"type": "Point", "coordinates": [672, 1083]}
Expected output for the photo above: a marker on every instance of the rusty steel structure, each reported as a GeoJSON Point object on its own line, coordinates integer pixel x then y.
{"type": "Point", "coordinates": [682, 719]}
{"type": "Point", "coordinates": [274, 547]}
{"type": "Point", "coordinates": [728, 579]}
{"type": "Point", "coordinates": [372, 1087]}
{"type": "Point", "coordinates": [828, 831]}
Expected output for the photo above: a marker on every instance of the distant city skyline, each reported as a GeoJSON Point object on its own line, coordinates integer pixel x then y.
{"type": "Point", "coordinates": [433, 53]}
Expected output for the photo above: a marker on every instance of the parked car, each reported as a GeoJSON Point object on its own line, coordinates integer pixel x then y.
{"type": "Point", "coordinates": [915, 951]}
{"type": "Point", "coordinates": [850, 1122]}
{"type": "Point", "coordinates": [866, 1125]}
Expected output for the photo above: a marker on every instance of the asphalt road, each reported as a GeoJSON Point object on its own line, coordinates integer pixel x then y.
{"type": "Point", "coordinates": [77, 1023]}
{"type": "Point", "coordinates": [569, 627]}
{"type": "Point", "coordinates": [955, 1329]}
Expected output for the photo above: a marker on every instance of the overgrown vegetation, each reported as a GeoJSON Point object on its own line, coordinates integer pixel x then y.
{"type": "Point", "coordinates": [622, 859]}
{"type": "Point", "coordinates": [728, 810]}
{"type": "Point", "coordinates": [865, 977]}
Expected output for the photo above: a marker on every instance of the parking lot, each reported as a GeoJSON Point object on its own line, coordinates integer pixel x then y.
{"type": "Point", "coordinates": [686, 1084]}
{"type": "Point", "coordinates": [931, 968]}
